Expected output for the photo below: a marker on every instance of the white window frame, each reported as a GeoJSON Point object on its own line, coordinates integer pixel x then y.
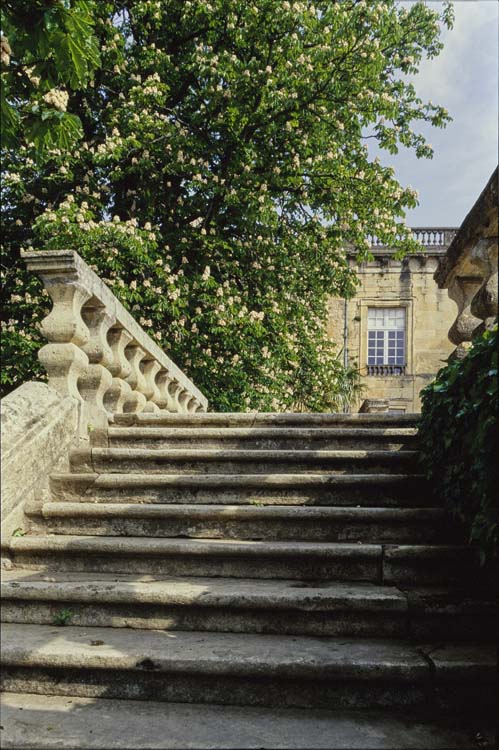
{"type": "Point", "coordinates": [384, 326]}
{"type": "Point", "coordinates": [363, 305]}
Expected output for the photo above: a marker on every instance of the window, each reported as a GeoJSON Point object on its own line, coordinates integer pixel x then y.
{"type": "Point", "coordinates": [386, 341]}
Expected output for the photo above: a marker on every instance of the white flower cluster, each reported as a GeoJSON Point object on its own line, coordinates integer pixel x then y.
{"type": "Point", "coordinates": [254, 316]}
{"type": "Point", "coordinates": [57, 98]}
{"type": "Point", "coordinates": [5, 50]}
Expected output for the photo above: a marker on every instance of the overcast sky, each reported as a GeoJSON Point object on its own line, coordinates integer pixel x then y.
{"type": "Point", "coordinates": [464, 79]}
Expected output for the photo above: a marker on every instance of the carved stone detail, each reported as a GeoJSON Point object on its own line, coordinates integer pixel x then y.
{"type": "Point", "coordinates": [135, 355]}
{"type": "Point", "coordinates": [150, 369]}
{"type": "Point", "coordinates": [64, 364]}
{"type": "Point", "coordinates": [120, 391]}
{"type": "Point", "coordinates": [164, 399]}
{"type": "Point", "coordinates": [468, 270]}
{"type": "Point", "coordinates": [96, 379]}
{"type": "Point", "coordinates": [98, 321]}
{"type": "Point", "coordinates": [175, 390]}
{"type": "Point", "coordinates": [184, 399]}
{"type": "Point", "coordinates": [462, 292]}
{"type": "Point", "coordinates": [93, 384]}
{"type": "Point", "coordinates": [134, 402]}
{"type": "Point", "coordinates": [97, 353]}
{"type": "Point", "coordinates": [64, 323]}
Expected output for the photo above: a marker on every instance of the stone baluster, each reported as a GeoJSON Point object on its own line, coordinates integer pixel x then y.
{"type": "Point", "coordinates": [150, 369]}
{"type": "Point", "coordinates": [485, 302]}
{"type": "Point", "coordinates": [66, 331]}
{"type": "Point", "coordinates": [96, 378]}
{"type": "Point", "coordinates": [184, 398]}
{"type": "Point", "coordinates": [462, 290]}
{"type": "Point", "coordinates": [175, 391]}
{"type": "Point", "coordinates": [135, 379]}
{"type": "Point", "coordinates": [193, 405]}
{"type": "Point", "coordinates": [120, 391]}
{"type": "Point", "coordinates": [164, 398]}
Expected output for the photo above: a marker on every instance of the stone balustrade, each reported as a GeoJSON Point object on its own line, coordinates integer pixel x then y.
{"type": "Point", "coordinates": [97, 353]}
{"type": "Point", "coordinates": [428, 237]}
{"type": "Point", "coordinates": [468, 270]}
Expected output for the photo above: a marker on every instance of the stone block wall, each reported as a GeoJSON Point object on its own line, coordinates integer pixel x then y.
{"type": "Point", "coordinates": [387, 282]}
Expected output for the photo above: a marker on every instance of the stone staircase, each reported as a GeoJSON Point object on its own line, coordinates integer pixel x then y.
{"type": "Point", "coordinates": [245, 581]}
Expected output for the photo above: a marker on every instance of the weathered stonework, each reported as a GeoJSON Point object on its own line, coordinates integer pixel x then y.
{"type": "Point", "coordinates": [39, 427]}
{"type": "Point", "coordinates": [99, 363]}
{"type": "Point", "coordinates": [98, 354]}
{"type": "Point", "coordinates": [387, 282]}
{"type": "Point", "coordinates": [468, 270]}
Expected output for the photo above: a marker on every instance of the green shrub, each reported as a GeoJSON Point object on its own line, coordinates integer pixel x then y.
{"type": "Point", "coordinates": [459, 439]}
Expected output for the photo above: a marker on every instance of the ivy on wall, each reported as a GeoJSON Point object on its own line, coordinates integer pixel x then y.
{"type": "Point", "coordinates": [459, 439]}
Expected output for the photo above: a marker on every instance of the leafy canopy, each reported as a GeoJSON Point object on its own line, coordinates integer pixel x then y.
{"type": "Point", "coordinates": [47, 47]}
{"type": "Point", "coordinates": [222, 170]}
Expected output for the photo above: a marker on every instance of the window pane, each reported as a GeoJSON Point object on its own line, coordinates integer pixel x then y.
{"type": "Point", "coordinates": [386, 335]}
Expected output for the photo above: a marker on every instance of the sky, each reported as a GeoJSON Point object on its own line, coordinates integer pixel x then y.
{"type": "Point", "coordinates": [464, 79]}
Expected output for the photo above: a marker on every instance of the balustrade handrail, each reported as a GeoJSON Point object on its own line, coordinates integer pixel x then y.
{"type": "Point", "coordinates": [96, 351]}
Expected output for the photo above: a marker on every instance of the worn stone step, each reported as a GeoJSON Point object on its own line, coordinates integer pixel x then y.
{"type": "Point", "coordinates": [432, 564]}
{"type": "Point", "coordinates": [243, 669]}
{"type": "Point", "coordinates": [272, 419]}
{"type": "Point", "coordinates": [29, 720]}
{"type": "Point", "coordinates": [120, 460]}
{"type": "Point", "coordinates": [286, 607]}
{"type": "Point", "coordinates": [244, 522]}
{"type": "Point", "coordinates": [264, 438]}
{"type": "Point", "coordinates": [386, 490]}
{"type": "Point", "coordinates": [200, 557]}
{"type": "Point", "coordinates": [207, 604]}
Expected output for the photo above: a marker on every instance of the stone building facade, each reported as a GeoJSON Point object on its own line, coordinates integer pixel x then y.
{"type": "Point", "coordinates": [395, 328]}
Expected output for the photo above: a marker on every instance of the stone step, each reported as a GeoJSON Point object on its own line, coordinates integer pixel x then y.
{"type": "Point", "coordinates": [270, 419]}
{"type": "Point", "coordinates": [147, 461]}
{"type": "Point", "coordinates": [386, 490]}
{"type": "Point", "coordinates": [29, 720]}
{"type": "Point", "coordinates": [244, 669]}
{"type": "Point", "coordinates": [425, 564]}
{"type": "Point", "coordinates": [286, 607]}
{"type": "Point", "coordinates": [204, 604]}
{"type": "Point", "coordinates": [264, 438]}
{"type": "Point", "coordinates": [302, 523]}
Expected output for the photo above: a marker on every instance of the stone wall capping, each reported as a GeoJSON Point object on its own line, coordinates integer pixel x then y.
{"type": "Point", "coordinates": [480, 222]}
{"type": "Point", "coordinates": [97, 352]}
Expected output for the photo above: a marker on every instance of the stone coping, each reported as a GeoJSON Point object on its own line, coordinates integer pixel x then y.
{"type": "Point", "coordinates": [480, 222]}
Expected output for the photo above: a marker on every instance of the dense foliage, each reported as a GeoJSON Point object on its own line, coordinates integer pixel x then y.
{"type": "Point", "coordinates": [46, 48]}
{"type": "Point", "coordinates": [222, 169]}
{"type": "Point", "coordinates": [459, 439]}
